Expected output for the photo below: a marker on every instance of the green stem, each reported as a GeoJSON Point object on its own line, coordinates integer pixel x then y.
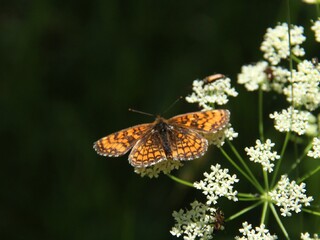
{"type": "Point", "coordinates": [243, 211]}
{"type": "Point", "coordinates": [306, 150]}
{"type": "Point", "coordinates": [248, 199]}
{"type": "Point", "coordinates": [261, 114]}
{"type": "Point", "coordinates": [241, 171]}
{"type": "Point", "coordinates": [253, 178]}
{"type": "Point", "coordinates": [299, 180]}
{"type": "Point", "coordinates": [275, 214]}
{"type": "Point", "coordinates": [264, 212]}
{"type": "Point", "coordinates": [266, 180]}
{"type": "Point", "coordinates": [179, 180]}
{"type": "Point", "coordinates": [296, 59]}
{"type": "Point", "coordinates": [275, 174]}
{"type": "Point", "coordinates": [311, 211]}
{"type": "Point", "coordinates": [247, 195]}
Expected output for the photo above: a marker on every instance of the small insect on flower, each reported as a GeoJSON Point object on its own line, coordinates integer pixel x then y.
{"type": "Point", "coordinates": [219, 222]}
{"type": "Point", "coordinates": [315, 61]}
{"type": "Point", "coordinates": [213, 78]}
{"type": "Point", "coordinates": [178, 138]}
{"type": "Point", "coordinates": [269, 72]}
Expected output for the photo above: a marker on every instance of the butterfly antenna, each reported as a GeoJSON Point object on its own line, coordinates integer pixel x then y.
{"type": "Point", "coordinates": [172, 104]}
{"type": "Point", "coordinates": [137, 111]}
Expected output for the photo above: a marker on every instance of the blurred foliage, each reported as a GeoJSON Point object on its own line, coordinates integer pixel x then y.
{"type": "Point", "coordinates": [69, 72]}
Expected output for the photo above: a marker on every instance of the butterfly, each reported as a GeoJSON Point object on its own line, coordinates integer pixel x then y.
{"type": "Point", "coordinates": [179, 138]}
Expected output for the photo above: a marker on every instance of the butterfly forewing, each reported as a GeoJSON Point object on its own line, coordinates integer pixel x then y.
{"type": "Point", "coordinates": [206, 121]}
{"type": "Point", "coordinates": [121, 142]}
{"type": "Point", "coordinates": [186, 144]}
{"type": "Point", "coordinates": [147, 151]}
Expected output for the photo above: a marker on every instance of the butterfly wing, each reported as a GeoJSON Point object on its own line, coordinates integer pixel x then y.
{"type": "Point", "coordinates": [148, 151]}
{"type": "Point", "coordinates": [176, 143]}
{"type": "Point", "coordinates": [121, 142]}
{"type": "Point", "coordinates": [186, 144]}
{"type": "Point", "coordinates": [206, 122]}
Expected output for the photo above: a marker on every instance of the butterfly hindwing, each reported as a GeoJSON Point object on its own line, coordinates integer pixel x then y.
{"type": "Point", "coordinates": [147, 151]}
{"type": "Point", "coordinates": [186, 144]}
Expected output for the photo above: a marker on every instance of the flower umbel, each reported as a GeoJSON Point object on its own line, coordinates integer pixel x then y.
{"type": "Point", "coordinates": [216, 184]}
{"type": "Point", "coordinates": [304, 86]}
{"type": "Point", "coordinates": [291, 119]}
{"type": "Point", "coordinates": [196, 222]}
{"type": "Point", "coordinates": [261, 75]}
{"type": "Point", "coordinates": [254, 76]}
{"type": "Point", "coordinates": [290, 196]}
{"type": "Point", "coordinates": [276, 43]}
{"type": "Point", "coordinates": [208, 94]}
{"type": "Point", "coordinates": [258, 233]}
{"type": "Point", "coordinates": [261, 153]}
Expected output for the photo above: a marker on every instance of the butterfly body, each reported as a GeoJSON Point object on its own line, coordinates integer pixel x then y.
{"type": "Point", "coordinates": [162, 128]}
{"type": "Point", "coordinates": [177, 138]}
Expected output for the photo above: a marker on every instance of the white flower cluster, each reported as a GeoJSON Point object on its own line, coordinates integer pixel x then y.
{"type": "Point", "coordinates": [154, 170]}
{"type": "Point", "coordinates": [316, 29]}
{"type": "Point", "coordinates": [261, 75]}
{"type": "Point", "coordinates": [315, 152]}
{"type": "Point", "coordinates": [291, 120]}
{"type": "Point", "coordinates": [216, 184]}
{"type": "Point", "coordinates": [218, 138]}
{"type": "Point", "coordinates": [305, 86]}
{"type": "Point", "coordinates": [254, 76]}
{"type": "Point", "coordinates": [210, 93]}
{"type": "Point", "coordinates": [261, 153]}
{"type": "Point", "coordinates": [276, 43]}
{"type": "Point", "coordinates": [258, 233]}
{"type": "Point", "coordinates": [306, 236]}
{"type": "Point", "coordinates": [290, 196]}
{"type": "Point", "coordinates": [198, 222]}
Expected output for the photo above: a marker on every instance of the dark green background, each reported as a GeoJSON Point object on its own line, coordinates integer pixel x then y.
{"type": "Point", "coordinates": [70, 70]}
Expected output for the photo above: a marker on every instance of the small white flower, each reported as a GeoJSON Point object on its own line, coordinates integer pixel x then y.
{"type": "Point", "coordinates": [261, 75]}
{"type": "Point", "coordinates": [306, 236]}
{"type": "Point", "coordinates": [216, 184]}
{"type": "Point", "coordinates": [276, 43]}
{"type": "Point", "coordinates": [208, 94]}
{"type": "Point", "coordinates": [255, 234]}
{"type": "Point", "coordinates": [291, 119]}
{"type": "Point", "coordinates": [305, 85]}
{"type": "Point", "coordinates": [196, 223]}
{"type": "Point", "coordinates": [261, 153]}
{"type": "Point", "coordinates": [290, 196]}
{"type": "Point", "coordinates": [218, 138]}
{"type": "Point", "coordinates": [316, 28]}
{"type": "Point", "coordinates": [315, 152]}
{"type": "Point", "coordinates": [154, 170]}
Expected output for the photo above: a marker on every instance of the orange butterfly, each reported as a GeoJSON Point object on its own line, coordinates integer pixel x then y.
{"type": "Point", "coordinates": [178, 138]}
